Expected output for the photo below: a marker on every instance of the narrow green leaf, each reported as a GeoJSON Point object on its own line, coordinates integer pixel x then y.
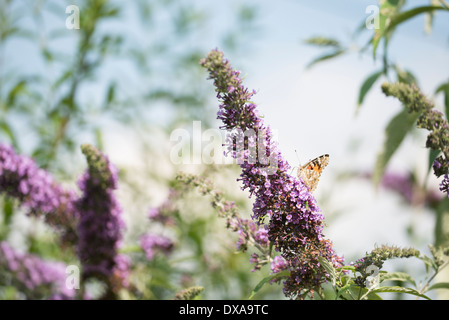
{"type": "Point", "coordinates": [329, 269]}
{"type": "Point", "coordinates": [397, 276]}
{"type": "Point", "coordinates": [398, 289]}
{"type": "Point", "coordinates": [363, 293]}
{"type": "Point", "coordinates": [323, 42]}
{"type": "Point", "coordinates": [389, 20]}
{"type": "Point", "coordinates": [8, 132]}
{"type": "Point", "coordinates": [326, 57]}
{"type": "Point", "coordinates": [404, 75]}
{"type": "Point", "coordinates": [387, 10]}
{"type": "Point", "coordinates": [406, 15]}
{"type": "Point", "coordinates": [433, 154]}
{"type": "Point", "coordinates": [395, 133]}
{"type": "Point", "coordinates": [367, 85]}
{"type": "Point", "coordinates": [440, 285]}
{"type": "Point", "coordinates": [343, 289]}
{"type": "Point", "coordinates": [17, 90]}
{"type": "Point", "coordinates": [444, 88]}
{"type": "Point", "coordinates": [267, 279]}
{"type": "Point", "coordinates": [62, 79]}
{"type": "Point", "coordinates": [428, 262]}
{"type": "Point", "coordinates": [110, 94]}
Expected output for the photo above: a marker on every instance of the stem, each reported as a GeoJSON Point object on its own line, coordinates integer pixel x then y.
{"type": "Point", "coordinates": [319, 291]}
{"type": "Point", "coordinates": [359, 296]}
{"type": "Point", "coordinates": [423, 289]}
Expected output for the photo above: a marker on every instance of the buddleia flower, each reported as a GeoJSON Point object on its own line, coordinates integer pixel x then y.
{"type": "Point", "coordinates": [283, 203]}
{"type": "Point", "coordinates": [38, 192]}
{"type": "Point", "coordinates": [101, 222]}
{"type": "Point", "coordinates": [33, 277]}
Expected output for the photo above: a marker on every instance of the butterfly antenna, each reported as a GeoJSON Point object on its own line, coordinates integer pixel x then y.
{"type": "Point", "coordinates": [297, 156]}
{"type": "Point", "coordinates": [293, 168]}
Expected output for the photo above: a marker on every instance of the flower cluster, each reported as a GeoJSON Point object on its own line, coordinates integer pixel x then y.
{"type": "Point", "coordinates": [377, 257]}
{"type": "Point", "coordinates": [36, 278]}
{"type": "Point", "coordinates": [444, 186]}
{"type": "Point", "coordinates": [152, 244]}
{"type": "Point", "coordinates": [189, 293]}
{"type": "Point", "coordinates": [101, 225]}
{"type": "Point", "coordinates": [430, 119]}
{"type": "Point", "coordinates": [278, 264]}
{"type": "Point", "coordinates": [22, 179]}
{"type": "Point", "coordinates": [296, 224]}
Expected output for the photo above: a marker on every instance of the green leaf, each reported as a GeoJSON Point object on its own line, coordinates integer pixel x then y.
{"type": "Point", "coordinates": [444, 88]}
{"type": "Point", "coordinates": [345, 288]}
{"type": "Point", "coordinates": [363, 293]}
{"type": "Point", "coordinates": [323, 42]}
{"type": "Point", "coordinates": [367, 85]}
{"type": "Point", "coordinates": [397, 276]}
{"type": "Point", "coordinates": [326, 57]}
{"type": "Point", "coordinates": [398, 289]}
{"type": "Point", "coordinates": [395, 133]}
{"type": "Point", "coordinates": [440, 285]}
{"type": "Point", "coordinates": [267, 279]}
{"type": "Point", "coordinates": [387, 10]}
{"type": "Point", "coordinates": [17, 90]}
{"type": "Point", "coordinates": [390, 20]}
{"type": "Point", "coordinates": [350, 268]}
{"type": "Point", "coordinates": [8, 132]}
{"type": "Point", "coordinates": [329, 269]}
{"type": "Point", "coordinates": [404, 16]}
{"type": "Point", "coordinates": [404, 76]}
{"type": "Point", "coordinates": [110, 94]}
{"type": "Point", "coordinates": [433, 154]}
{"type": "Point", "coordinates": [62, 79]}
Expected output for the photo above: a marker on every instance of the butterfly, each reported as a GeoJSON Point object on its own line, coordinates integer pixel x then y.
{"type": "Point", "coordinates": [310, 172]}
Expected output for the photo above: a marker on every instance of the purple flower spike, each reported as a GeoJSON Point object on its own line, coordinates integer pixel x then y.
{"type": "Point", "coordinates": [30, 275]}
{"type": "Point", "coordinates": [153, 244]}
{"type": "Point", "coordinates": [101, 225]}
{"type": "Point", "coordinates": [22, 179]}
{"type": "Point", "coordinates": [295, 222]}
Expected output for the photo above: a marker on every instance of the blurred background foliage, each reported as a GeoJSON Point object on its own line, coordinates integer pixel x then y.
{"type": "Point", "coordinates": [128, 76]}
{"type": "Point", "coordinates": [123, 82]}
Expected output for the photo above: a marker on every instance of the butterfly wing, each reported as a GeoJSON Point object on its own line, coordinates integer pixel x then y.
{"type": "Point", "coordinates": [310, 172]}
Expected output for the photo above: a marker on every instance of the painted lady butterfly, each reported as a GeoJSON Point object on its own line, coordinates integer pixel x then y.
{"type": "Point", "coordinates": [310, 172]}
